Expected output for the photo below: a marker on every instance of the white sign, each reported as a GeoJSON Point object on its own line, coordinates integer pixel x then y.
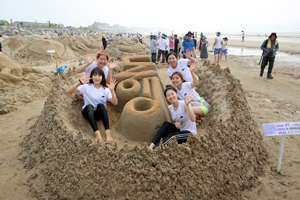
{"type": "Point", "coordinates": [51, 51]}
{"type": "Point", "coordinates": [281, 129]}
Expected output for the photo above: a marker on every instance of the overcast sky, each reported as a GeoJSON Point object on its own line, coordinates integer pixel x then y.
{"type": "Point", "coordinates": [212, 15]}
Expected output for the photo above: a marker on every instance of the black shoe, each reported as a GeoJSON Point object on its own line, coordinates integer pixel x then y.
{"type": "Point", "coordinates": [270, 77]}
{"type": "Point", "coordinates": [261, 74]}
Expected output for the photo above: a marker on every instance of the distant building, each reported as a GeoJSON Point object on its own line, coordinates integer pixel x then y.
{"type": "Point", "coordinates": [23, 23]}
{"type": "Point", "coordinates": [100, 25]}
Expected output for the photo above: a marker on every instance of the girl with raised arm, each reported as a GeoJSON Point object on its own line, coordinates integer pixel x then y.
{"type": "Point", "coordinates": [96, 92]}
{"type": "Point", "coordinates": [199, 105]}
{"type": "Point", "coordinates": [182, 119]}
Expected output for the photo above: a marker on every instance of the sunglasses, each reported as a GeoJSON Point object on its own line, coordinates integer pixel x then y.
{"type": "Point", "coordinates": [189, 35]}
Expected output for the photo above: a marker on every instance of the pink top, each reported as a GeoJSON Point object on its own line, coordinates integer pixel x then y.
{"type": "Point", "coordinates": [171, 44]}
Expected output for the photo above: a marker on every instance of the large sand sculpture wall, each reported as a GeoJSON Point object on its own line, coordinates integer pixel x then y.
{"type": "Point", "coordinates": [227, 159]}
{"type": "Point", "coordinates": [141, 98]}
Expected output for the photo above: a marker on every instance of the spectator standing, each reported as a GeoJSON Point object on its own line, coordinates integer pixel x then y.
{"type": "Point", "coordinates": [176, 44]}
{"type": "Point", "coordinates": [153, 48]}
{"type": "Point", "coordinates": [217, 47]}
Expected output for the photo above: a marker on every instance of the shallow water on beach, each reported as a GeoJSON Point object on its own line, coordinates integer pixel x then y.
{"type": "Point", "coordinates": [281, 56]}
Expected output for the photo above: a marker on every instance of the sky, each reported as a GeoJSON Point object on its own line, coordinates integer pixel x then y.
{"type": "Point", "coordinates": [213, 15]}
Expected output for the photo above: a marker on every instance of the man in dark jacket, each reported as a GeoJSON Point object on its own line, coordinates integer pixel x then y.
{"type": "Point", "coordinates": [104, 42]}
{"type": "Point", "coordinates": [0, 44]}
{"type": "Point", "coordinates": [269, 47]}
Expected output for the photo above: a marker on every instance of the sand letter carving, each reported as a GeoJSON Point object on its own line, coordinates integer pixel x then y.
{"type": "Point", "coordinates": [141, 99]}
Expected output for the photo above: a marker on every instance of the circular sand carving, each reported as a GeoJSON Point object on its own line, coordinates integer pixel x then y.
{"type": "Point", "coordinates": [41, 47]}
{"type": "Point", "coordinates": [226, 160]}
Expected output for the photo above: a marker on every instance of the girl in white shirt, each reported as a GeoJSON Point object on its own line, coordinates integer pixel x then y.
{"type": "Point", "coordinates": [181, 65]}
{"type": "Point", "coordinates": [95, 95]}
{"type": "Point", "coordinates": [182, 120]}
{"type": "Point", "coordinates": [199, 105]}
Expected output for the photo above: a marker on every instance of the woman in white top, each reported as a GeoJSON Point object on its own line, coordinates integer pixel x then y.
{"type": "Point", "coordinates": [95, 95]}
{"type": "Point", "coordinates": [199, 105]}
{"type": "Point", "coordinates": [182, 119]}
{"type": "Point", "coordinates": [224, 48]}
{"type": "Point", "coordinates": [181, 65]}
{"type": "Point", "coordinates": [102, 59]}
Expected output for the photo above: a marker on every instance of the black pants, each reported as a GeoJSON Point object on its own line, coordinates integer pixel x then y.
{"type": "Point", "coordinates": [264, 63]}
{"type": "Point", "coordinates": [104, 46]}
{"type": "Point", "coordinates": [153, 57]}
{"type": "Point", "coordinates": [171, 50]}
{"type": "Point", "coordinates": [181, 136]}
{"type": "Point", "coordinates": [166, 53]}
{"type": "Point", "coordinates": [161, 52]}
{"type": "Point", "coordinates": [92, 115]}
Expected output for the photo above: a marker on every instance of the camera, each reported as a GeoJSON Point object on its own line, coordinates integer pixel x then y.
{"type": "Point", "coordinates": [270, 52]}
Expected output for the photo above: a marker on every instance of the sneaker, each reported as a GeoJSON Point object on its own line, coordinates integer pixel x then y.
{"type": "Point", "coordinates": [198, 122]}
{"type": "Point", "coordinates": [261, 74]}
{"type": "Point", "coordinates": [270, 77]}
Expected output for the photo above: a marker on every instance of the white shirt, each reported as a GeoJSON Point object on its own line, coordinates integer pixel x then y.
{"type": "Point", "coordinates": [162, 44]}
{"type": "Point", "coordinates": [94, 96]}
{"type": "Point", "coordinates": [225, 46]}
{"type": "Point", "coordinates": [181, 116]}
{"type": "Point", "coordinates": [183, 69]}
{"type": "Point", "coordinates": [168, 43]}
{"type": "Point", "coordinates": [187, 89]}
{"type": "Point", "coordinates": [89, 69]}
{"type": "Point", "coordinates": [218, 43]}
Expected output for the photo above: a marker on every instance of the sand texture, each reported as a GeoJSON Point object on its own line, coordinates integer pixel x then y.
{"type": "Point", "coordinates": [219, 164]}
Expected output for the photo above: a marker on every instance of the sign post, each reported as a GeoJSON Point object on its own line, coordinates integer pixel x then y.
{"type": "Point", "coordinates": [281, 129]}
{"type": "Point", "coordinates": [51, 51]}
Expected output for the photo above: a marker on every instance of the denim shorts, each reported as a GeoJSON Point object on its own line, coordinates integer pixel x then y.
{"type": "Point", "coordinates": [217, 51]}
{"type": "Point", "coordinates": [224, 51]}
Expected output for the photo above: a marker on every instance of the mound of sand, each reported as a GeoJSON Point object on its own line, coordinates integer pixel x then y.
{"type": "Point", "coordinates": [10, 71]}
{"type": "Point", "coordinates": [11, 44]}
{"type": "Point", "coordinates": [122, 46]}
{"type": "Point", "coordinates": [20, 84]}
{"type": "Point", "coordinates": [73, 44]}
{"type": "Point", "coordinates": [227, 159]}
{"type": "Point", "coordinates": [36, 51]}
{"type": "Point", "coordinates": [88, 41]}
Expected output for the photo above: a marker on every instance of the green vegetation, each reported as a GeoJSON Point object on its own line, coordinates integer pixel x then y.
{"type": "Point", "coordinates": [3, 22]}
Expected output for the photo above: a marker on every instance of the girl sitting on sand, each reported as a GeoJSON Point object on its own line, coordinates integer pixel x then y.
{"type": "Point", "coordinates": [96, 92]}
{"type": "Point", "coordinates": [182, 119]}
{"type": "Point", "coordinates": [102, 59]}
{"type": "Point", "coordinates": [181, 65]}
{"type": "Point", "coordinates": [199, 105]}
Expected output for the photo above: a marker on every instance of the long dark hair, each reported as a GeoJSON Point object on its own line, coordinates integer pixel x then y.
{"type": "Point", "coordinates": [99, 71]}
{"type": "Point", "coordinates": [169, 87]}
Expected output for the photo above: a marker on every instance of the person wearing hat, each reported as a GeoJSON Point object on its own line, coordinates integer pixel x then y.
{"type": "Point", "coordinates": [162, 47]}
{"type": "Point", "coordinates": [269, 47]}
{"type": "Point", "coordinates": [153, 49]}
{"type": "Point", "coordinates": [188, 44]}
{"type": "Point", "coordinates": [224, 48]}
{"type": "Point", "coordinates": [217, 48]}
{"type": "Point", "coordinates": [1, 49]}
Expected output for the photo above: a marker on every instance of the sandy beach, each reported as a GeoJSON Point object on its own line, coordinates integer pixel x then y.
{"type": "Point", "coordinates": [269, 101]}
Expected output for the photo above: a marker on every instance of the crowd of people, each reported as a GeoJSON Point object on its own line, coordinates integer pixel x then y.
{"type": "Point", "coordinates": [162, 44]}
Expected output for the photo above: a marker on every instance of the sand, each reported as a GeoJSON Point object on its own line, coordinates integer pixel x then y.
{"type": "Point", "coordinates": [230, 158]}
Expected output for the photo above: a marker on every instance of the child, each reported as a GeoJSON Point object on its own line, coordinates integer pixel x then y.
{"type": "Point", "coordinates": [204, 45]}
{"type": "Point", "coordinates": [224, 48]}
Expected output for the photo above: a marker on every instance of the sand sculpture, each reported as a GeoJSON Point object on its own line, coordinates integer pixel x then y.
{"type": "Point", "coordinates": [122, 47]}
{"type": "Point", "coordinates": [36, 51]}
{"type": "Point", "coordinates": [219, 164]}
{"type": "Point", "coordinates": [141, 99]}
